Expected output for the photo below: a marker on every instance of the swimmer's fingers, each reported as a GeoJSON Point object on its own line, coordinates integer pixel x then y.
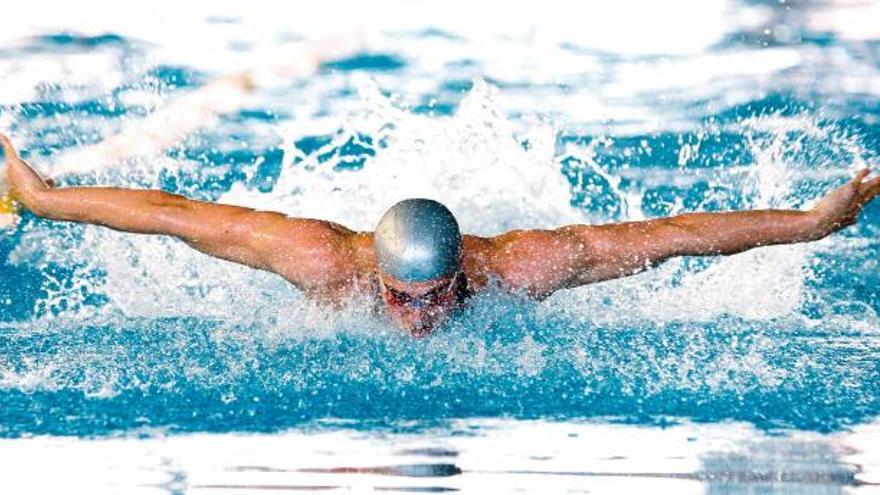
{"type": "Point", "coordinates": [872, 188]}
{"type": "Point", "coordinates": [8, 149]}
{"type": "Point", "coordinates": [857, 180]}
{"type": "Point", "coordinates": [865, 190]}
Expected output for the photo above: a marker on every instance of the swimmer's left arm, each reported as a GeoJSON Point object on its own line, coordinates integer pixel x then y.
{"type": "Point", "coordinates": [623, 249]}
{"type": "Point", "coordinates": [541, 262]}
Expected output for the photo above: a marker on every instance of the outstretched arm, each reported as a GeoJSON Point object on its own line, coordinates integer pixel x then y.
{"type": "Point", "coordinates": [308, 253]}
{"type": "Point", "coordinates": [541, 262]}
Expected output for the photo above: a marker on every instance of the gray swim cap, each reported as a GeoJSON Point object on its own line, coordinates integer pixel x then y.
{"type": "Point", "coordinates": [418, 239]}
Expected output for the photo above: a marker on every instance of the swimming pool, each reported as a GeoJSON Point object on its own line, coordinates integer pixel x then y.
{"type": "Point", "coordinates": [137, 356]}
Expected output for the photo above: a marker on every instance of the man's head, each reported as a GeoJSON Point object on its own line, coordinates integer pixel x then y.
{"type": "Point", "coordinates": [418, 245]}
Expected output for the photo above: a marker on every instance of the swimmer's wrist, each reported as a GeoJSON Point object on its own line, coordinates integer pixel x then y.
{"type": "Point", "coordinates": [35, 199]}
{"type": "Point", "coordinates": [820, 224]}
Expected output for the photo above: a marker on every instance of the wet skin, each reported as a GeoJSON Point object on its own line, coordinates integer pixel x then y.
{"type": "Point", "coordinates": [331, 263]}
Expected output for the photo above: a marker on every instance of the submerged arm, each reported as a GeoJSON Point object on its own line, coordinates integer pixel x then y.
{"type": "Point", "coordinates": [306, 252]}
{"type": "Point", "coordinates": [541, 262]}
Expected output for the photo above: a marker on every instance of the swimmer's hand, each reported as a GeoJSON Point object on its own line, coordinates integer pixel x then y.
{"type": "Point", "coordinates": [841, 207]}
{"type": "Point", "coordinates": [21, 177]}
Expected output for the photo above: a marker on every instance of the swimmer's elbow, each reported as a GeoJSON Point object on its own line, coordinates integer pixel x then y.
{"type": "Point", "coordinates": [675, 236]}
{"type": "Point", "coordinates": [172, 209]}
{"type": "Point", "coordinates": [167, 201]}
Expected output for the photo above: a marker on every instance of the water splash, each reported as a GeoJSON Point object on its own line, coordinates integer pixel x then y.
{"type": "Point", "coordinates": [132, 330]}
{"type": "Point", "coordinates": [138, 321]}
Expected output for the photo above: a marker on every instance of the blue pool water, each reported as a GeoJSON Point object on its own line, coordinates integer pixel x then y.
{"type": "Point", "coordinates": [763, 105]}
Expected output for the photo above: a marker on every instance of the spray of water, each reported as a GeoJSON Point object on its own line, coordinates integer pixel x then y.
{"type": "Point", "coordinates": [690, 327]}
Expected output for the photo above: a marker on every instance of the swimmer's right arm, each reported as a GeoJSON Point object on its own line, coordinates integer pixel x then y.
{"type": "Point", "coordinates": [308, 253]}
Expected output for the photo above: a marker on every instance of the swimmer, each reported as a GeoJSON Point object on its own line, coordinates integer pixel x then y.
{"type": "Point", "coordinates": [417, 264]}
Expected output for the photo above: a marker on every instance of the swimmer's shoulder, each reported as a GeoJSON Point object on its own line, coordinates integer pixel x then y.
{"type": "Point", "coordinates": [510, 260]}
{"type": "Point", "coordinates": [478, 262]}
{"type": "Point", "coordinates": [361, 255]}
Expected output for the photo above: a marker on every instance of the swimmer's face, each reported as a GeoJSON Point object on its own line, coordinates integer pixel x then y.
{"type": "Point", "coordinates": [419, 307]}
